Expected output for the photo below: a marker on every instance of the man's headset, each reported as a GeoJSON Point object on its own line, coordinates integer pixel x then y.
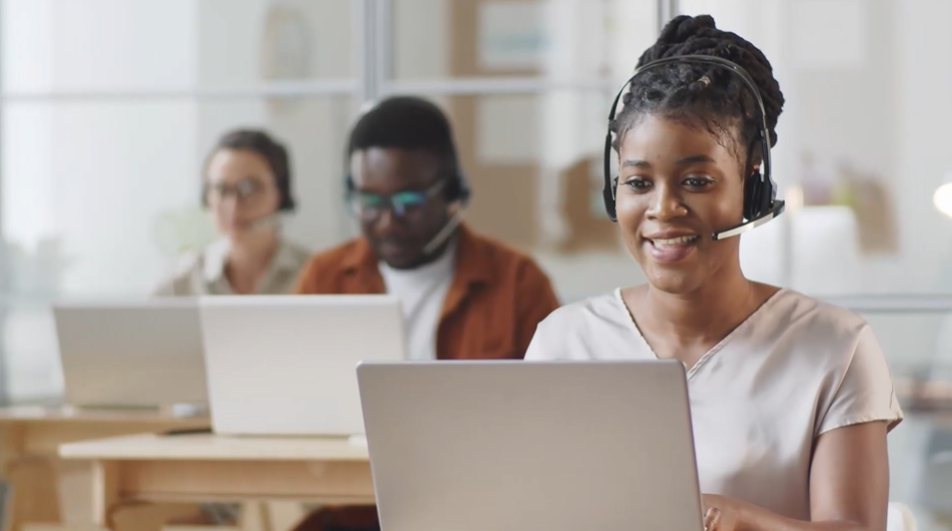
{"type": "Point", "coordinates": [760, 192]}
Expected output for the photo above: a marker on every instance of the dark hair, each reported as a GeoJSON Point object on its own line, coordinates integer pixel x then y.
{"type": "Point", "coordinates": [272, 151]}
{"type": "Point", "coordinates": [708, 95]}
{"type": "Point", "coordinates": [406, 122]}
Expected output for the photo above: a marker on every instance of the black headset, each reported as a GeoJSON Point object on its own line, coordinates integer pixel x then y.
{"type": "Point", "coordinates": [760, 192]}
{"type": "Point", "coordinates": [457, 185]}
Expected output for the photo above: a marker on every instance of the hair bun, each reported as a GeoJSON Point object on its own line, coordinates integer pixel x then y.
{"type": "Point", "coordinates": [705, 21]}
{"type": "Point", "coordinates": [687, 35]}
{"type": "Point", "coordinates": [683, 27]}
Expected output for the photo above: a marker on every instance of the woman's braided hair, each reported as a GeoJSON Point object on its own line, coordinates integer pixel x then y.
{"type": "Point", "coordinates": [706, 95]}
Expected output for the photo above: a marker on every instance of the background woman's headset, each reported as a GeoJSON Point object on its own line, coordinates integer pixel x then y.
{"type": "Point", "coordinates": [760, 192]}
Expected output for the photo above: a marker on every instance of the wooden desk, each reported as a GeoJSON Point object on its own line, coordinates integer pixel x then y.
{"type": "Point", "coordinates": [44, 489]}
{"type": "Point", "coordinates": [204, 467]}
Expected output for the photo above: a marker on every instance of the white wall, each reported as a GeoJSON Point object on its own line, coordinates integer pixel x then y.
{"type": "Point", "coordinates": [93, 175]}
{"type": "Point", "coordinates": [589, 40]}
{"type": "Point", "coordinates": [421, 39]}
{"type": "Point", "coordinates": [925, 110]}
{"type": "Point", "coordinates": [84, 180]}
{"type": "Point", "coordinates": [311, 127]}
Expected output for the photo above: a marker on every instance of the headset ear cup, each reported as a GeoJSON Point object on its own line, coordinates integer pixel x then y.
{"type": "Point", "coordinates": [458, 189]}
{"type": "Point", "coordinates": [451, 190]}
{"type": "Point", "coordinates": [287, 204]}
{"type": "Point", "coordinates": [756, 196]}
{"type": "Point", "coordinates": [767, 195]}
{"type": "Point", "coordinates": [752, 193]}
{"type": "Point", "coordinates": [608, 195]}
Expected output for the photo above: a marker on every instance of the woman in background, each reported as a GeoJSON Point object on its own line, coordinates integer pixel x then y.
{"type": "Point", "coordinates": [247, 184]}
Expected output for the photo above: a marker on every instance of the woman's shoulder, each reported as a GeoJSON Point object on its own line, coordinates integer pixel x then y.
{"type": "Point", "coordinates": [189, 268]}
{"type": "Point", "coordinates": [208, 260]}
{"type": "Point", "coordinates": [586, 312]}
{"type": "Point", "coordinates": [801, 334]}
{"type": "Point", "coordinates": [189, 261]}
{"type": "Point", "coordinates": [839, 346]}
{"type": "Point", "coordinates": [814, 316]}
{"type": "Point", "coordinates": [294, 253]}
{"type": "Point", "coordinates": [584, 329]}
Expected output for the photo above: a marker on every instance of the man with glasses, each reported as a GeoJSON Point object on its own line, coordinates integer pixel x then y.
{"type": "Point", "coordinates": [464, 296]}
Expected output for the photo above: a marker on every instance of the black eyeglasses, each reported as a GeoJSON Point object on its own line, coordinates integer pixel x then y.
{"type": "Point", "coordinates": [369, 206]}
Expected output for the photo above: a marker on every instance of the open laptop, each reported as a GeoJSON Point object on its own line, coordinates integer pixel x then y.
{"type": "Point", "coordinates": [131, 354]}
{"type": "Point", "coordinates": [531, 446]}
{"type": "Point", "coordinates": [285, 365]}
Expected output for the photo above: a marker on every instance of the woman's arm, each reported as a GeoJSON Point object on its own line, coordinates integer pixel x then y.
{"type": "Point", "coordinates": [849, 488]}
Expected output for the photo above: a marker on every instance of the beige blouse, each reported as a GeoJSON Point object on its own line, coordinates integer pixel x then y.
{"type": "Point", "coordinates": [203, 272]}
{"type": "Point", "coordinates": [795, 369]}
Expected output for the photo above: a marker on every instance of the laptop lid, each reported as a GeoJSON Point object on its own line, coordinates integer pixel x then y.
{"type": "Point", "coordinates": [527, 446]}
{"type": "Point", "coordinates": [285, 365]}
{"type": "Point", "coordinates": [131, 354]}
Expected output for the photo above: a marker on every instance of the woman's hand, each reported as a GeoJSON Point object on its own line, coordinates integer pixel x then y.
{"type": "Point", "coordinates": [720, 513]}
{"type": "Point", "coordinates": [849, 488]}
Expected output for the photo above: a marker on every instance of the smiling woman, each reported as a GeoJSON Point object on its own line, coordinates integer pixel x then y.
{"type": "Point", "coordinates": [678, 168]}
{"type": "Point", "coordinates": [791, 399]}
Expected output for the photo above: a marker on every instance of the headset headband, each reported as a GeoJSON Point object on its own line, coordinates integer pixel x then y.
{"type": "Point", "coordinates": [705, 60]}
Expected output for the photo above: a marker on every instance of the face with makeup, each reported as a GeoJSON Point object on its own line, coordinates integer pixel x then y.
{"type": "Point", "coordinates": [677, 185]}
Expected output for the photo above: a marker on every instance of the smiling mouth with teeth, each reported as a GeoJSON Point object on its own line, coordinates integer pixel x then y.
{"type": "Point", "coordinates": [674, 241]}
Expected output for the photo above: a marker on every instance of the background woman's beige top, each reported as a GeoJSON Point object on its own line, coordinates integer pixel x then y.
{"type": "Point", "coordinates": [203, 272]}
{"type": "Point", "coordinates": [795, 369]}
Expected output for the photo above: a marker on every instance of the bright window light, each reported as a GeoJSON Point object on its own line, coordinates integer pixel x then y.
{"type": "Point", "coordinates": [942, 198]}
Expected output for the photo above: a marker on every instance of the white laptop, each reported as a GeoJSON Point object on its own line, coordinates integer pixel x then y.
{"type": "Point", "coordinates": [131, 354]}
{"type": "Point", "coordinates": [531, 446]}
{"type": "Point", "coordinates": [285, 365]}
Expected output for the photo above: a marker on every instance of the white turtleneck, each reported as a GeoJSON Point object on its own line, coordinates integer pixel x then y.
{"type": "Point", "coordinates": [421, 292]}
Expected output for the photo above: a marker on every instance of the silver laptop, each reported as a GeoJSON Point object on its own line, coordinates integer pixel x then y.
{"type": "Point", "coordinates": [285, 365]}
{"type": "Point", "coordinates": [531, 446]}
{"type": "Point", "coordinates": [131, 354]}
